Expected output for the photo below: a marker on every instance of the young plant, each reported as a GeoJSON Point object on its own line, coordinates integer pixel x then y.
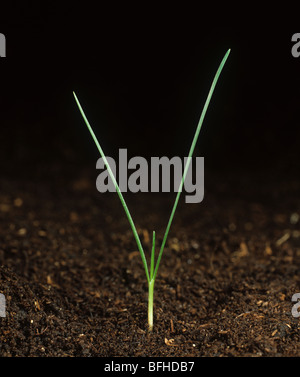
{"type": "Point", "coordinates": [152, 273]}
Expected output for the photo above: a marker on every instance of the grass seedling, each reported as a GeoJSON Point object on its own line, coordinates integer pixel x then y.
{"type": "Point", "coordinates": [151, 273]}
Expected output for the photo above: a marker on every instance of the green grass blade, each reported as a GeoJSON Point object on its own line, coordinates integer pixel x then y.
{"type": "Point", "coordinates": [152, 257]}
{"type": "Point", "coordinates": [135, 233]}
{"type": "Point", "coordinates": [189, 159]}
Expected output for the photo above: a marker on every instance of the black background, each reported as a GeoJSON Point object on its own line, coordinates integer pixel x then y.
{"type": "Point", "coordinates": [142, 73]}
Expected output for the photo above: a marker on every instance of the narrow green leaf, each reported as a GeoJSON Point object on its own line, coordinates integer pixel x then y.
{"type": "Point", "coordinates": [189, 159]}
{"type": "Point", "coordinates": [135, 233]}
{"type": "Point", "coordinates": [152, 256]}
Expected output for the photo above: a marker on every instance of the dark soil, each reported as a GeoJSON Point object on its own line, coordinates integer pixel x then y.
{"type": "Point", "coordinates": [75, 284]}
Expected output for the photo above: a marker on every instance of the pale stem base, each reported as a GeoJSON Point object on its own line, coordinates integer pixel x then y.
{"type": "Point", "coordinates": [150, 304]}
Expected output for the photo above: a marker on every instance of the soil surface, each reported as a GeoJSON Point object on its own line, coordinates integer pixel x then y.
{"type": "Point", "coordinates": [75, 285]}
